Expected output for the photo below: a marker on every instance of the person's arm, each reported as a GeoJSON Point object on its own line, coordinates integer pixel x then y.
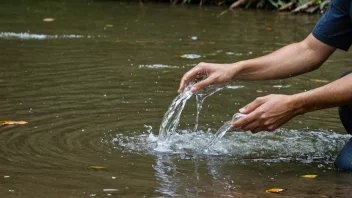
{"type": "Point", "coordinates": [291, 60]}
{"type": "Point", "coordinates": [288, 61]}
{"type": "Point", "coordinates": [270, 112]}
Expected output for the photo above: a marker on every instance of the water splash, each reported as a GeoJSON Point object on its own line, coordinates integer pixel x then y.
{"type": "Point", "coordinates": [201, 95]}
{"type": "Point", "coordinates": [172, 116]}
{"type": "Point", "coordinates": [225, 128]}
{"type": "Point", "coordinates": [282, 145]}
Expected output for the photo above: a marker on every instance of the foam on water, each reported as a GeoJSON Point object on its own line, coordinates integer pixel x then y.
{"type": "Point", "coordinates": [157, 66]}
{"type": "Point", "coordinates": [27, 36]}
{"type": "Point", "coordinates": [306, 146]}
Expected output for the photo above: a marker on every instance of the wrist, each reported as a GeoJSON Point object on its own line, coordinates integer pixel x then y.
{"type": "Point", "coordinates": [298, 104]}
{"type": "Point", "coordinates": [236, 69]}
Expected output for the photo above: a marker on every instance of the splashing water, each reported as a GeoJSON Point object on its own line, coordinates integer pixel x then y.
{"type": "Point", "coordinates": [200, 97]}
{"type": "Point", "coordinates": [225, 128]}
{"type": "Point", "coordinates": [172, 116]}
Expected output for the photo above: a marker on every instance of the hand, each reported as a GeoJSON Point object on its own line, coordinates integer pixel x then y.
{"type": "Point", "coordinates": [215, 73]}
{"type": "Point", "coordinates": [267, 113]}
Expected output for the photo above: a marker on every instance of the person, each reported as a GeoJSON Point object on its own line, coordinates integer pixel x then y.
{"type": "Point", "coordinates": [333, 31]}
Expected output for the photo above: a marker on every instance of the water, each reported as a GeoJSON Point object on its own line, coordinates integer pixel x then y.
{"type": "Point", "coordinates": [98, 100]}
{"type": "Point", "coordinates": [201, 95]}
{"type": "Point", "coordinates": [224, 128]}
{"type": "Point", "coordinates": [172, 116]}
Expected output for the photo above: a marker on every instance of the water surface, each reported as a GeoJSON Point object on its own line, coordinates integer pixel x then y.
{"type": "Point", "coordinates": [95, 83]}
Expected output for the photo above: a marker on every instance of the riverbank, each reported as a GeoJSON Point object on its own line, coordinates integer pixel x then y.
{"type": "Point", "coordinates": [295, 6]}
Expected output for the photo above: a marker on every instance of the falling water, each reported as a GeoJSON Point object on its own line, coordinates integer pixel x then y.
{"type": "Point", "coordinates": [224, 128]}
{"type": "Point", "coordinates": [201, 96]}
{"type": "Point", "coordinates": [172, 116]}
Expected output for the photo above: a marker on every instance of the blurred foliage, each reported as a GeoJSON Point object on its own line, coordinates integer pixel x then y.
{"type": "Point", "coordinates": [309, 6]}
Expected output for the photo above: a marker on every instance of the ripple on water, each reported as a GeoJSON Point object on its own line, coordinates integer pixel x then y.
{"type": "Point", "coordinates": [157, 66]}
{"type": "Point", "coordinates": [26, 36]}
{"type": "Point", "coordinates": [281, 145]}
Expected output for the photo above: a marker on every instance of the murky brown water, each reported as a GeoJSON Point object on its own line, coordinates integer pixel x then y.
{"type": "Point", "coordinates": [93, 84]}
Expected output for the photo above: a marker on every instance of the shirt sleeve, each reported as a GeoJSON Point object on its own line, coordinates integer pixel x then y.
{"type": "Point", "coordinates": [335, 26]}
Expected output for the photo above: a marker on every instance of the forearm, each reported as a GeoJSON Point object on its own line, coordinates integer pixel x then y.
{"type": "Point", "coordinates": [291, 60]}
{"type": "Point", "coordinates": [333, 94]}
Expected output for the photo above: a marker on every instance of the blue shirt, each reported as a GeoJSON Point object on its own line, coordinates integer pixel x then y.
{"type": "Point", "coordinates": [335, 26]}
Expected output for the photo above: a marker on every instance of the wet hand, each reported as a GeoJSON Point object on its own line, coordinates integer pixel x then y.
{"type": "Point", "coordinates": [267, 113]}
{"type": "Point", "coordinates": [215, 74]}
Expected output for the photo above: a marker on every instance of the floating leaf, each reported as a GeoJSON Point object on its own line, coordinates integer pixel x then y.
{"type": "Point", "coordinates": [274, 190]}
{"type": "Point", "coordinates": [109, 25]}
{"type": "Point", "coordinates": [269, 29]}
{"type": "Point", "coordinates": [48, 19]}
{"type": "Point", "coordinates": [319, 80]}
{"type": "Point", "coordinates": [8, 122]}
{"type": "Point", "coordinates": [97, 167]}
{"type": "Point", "coordinates": [309, 176]}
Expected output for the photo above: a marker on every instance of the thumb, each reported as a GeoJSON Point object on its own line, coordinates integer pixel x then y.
{"type": "Point", "coordinates": [204, 83]}
{"type": "Point", "coordinates": [252, 106]}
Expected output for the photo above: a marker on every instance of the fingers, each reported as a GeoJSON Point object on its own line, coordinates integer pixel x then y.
{"type": "Point", "coordinates": [204, 83]}
{"type": "Point", "coordinates": [188, 76]}
{"type": "Point", "coordinates": [252, 106]}
{"type": "Point", "coordinates": [244, 121]}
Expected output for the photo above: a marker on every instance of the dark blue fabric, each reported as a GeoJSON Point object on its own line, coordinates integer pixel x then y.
{"type": "Point", "coordinates": [335, 26]}
{"type": "Point", "coordinates": [343, 161]}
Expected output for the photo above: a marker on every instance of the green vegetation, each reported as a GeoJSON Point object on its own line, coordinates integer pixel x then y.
{"type": "Point", "coordinates": [308, 6]}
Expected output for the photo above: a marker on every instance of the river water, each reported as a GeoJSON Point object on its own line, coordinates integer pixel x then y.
{"type": "Point", "coordinates": [94, 85]}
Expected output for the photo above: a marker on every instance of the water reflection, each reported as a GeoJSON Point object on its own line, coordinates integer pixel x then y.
{"type": "Point", "coordinates": [167, 176]}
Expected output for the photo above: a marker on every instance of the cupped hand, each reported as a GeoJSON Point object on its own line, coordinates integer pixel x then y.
{"type": "Point", "coordinates": [215, 74]}
{"type": "Point", "coordinates": [267, 113]}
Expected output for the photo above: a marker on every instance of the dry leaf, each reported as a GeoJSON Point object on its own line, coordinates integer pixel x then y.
{"type": "Point", "coordinates": [269, 29]}
{"type": "Point", "coordinates": [48, 19]}
{"type": "Point", "coordinates": [274, 190]}
{"type": "Point", "coordinates": [309, 176]}
{"type": "Point", "coordinates": [8, 122]}
{"type": "Point", "coordinates": [318, 80]}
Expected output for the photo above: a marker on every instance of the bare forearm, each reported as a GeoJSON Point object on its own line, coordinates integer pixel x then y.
{"type": "Point", "coordinates": [333, 94]}
{"type": "Point", "coordinates": [291, 60]}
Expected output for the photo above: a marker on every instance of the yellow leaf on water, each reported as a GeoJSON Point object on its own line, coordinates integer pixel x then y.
{"type": "Point", "coordinates": [320, 81]}
{"type": "Point", "coordinates": [269, 29]}
{"type": "Point", "coordinates": [109, 25]}
{"type": "Point", "coordinates": [48, 19]}
{"type": "Point", "coordinates": [274, 190]}
{"type": "Point", "coordinates": [8, 122]}
{"type": "Point", "coordinates": [97, 167]}
{"type": "Point", "coordinates": [309, 176]}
